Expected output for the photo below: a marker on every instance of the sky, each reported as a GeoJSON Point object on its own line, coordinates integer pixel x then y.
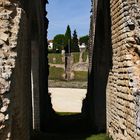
{"type": "Point", "coordinates": [75, 13]}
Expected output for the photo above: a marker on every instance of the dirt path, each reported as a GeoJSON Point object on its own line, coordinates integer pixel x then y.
{"type": "Point", "coordinates": [67, 99]}
{"type": "Point", "coordinates": [57, 65]}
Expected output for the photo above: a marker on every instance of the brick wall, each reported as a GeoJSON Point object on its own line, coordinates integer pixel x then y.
{"type": "Point", "coordinates": [123, 90]}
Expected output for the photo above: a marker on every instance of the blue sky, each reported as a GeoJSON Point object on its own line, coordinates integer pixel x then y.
{"type": "Point", "coordinates": [76, 13]}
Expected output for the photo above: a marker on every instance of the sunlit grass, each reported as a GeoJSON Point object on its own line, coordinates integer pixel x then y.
{"type": "Point", "coordinates": [98, 137]}
{"type": "Point", "coordinates": [56, 73]}
{"type": "Point", "coordinates": [67, 113]}
{"type": "Point", "coordinates": [81, 75]}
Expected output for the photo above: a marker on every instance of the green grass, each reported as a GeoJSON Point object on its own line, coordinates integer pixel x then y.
{"type": "Point", "coordinates": [81, 75]}
{"type": "Point", "coordinates": [84, 56]}
{"type": "Point", "coordinates": [56, 73]}
{"type": "Point", "coordinates": [67, 113]}
{"type": "Point", "coordinates": [70, 137]}
{"type": "Point", "coordinates": [57, 57]}
{"type": "Point", "coordinates": [98, 137]}
{"type": "Point", "coordinates": [76, 56]}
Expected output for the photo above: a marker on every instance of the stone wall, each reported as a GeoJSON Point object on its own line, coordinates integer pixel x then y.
{"type": "Point", "coordinates": [23, 25]}
{"type": "Point", "coordinates": [123, 90]}
{"type": "Point", "coordinates": [15, 103]}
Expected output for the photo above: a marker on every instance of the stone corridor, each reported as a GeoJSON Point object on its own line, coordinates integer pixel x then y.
{"type": "Point", "coordinates": [112, 104]}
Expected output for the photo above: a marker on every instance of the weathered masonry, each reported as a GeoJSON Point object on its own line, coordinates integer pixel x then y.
{"type": "Point", "coordinates": [113, 95]}
{"type": "Point", "coordinates": [123, 88]}
{"type": "Point", "coordinates": [114, 79]}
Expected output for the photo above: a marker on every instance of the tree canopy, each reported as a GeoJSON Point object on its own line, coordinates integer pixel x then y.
{"type": "Point", "coordinates": [67, 42]}
{"type": "Point", "coordinates": [84, 39]}
{"type": "Point", "coordinates": [58, 42]}
{"type": "Point", "coordinates": [75, 46]}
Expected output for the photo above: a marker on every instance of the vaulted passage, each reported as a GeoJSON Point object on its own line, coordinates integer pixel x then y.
{"type": "Point", "coordinates": [93, 116]}
{"type": "Point", "coordinates": [113, 94]}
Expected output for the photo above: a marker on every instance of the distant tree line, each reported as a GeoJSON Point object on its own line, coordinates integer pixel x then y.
{"type": "Point", "coordinates": [68, 42]}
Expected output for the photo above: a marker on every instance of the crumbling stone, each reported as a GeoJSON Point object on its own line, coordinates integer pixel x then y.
{"type": "Point", "coordinates": [9, 27]}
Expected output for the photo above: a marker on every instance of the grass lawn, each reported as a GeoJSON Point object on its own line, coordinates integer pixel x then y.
{"type": "Point", "coordinates": [81, 75]}
{"type": "Point", "coordinates": [66, 113]}
{"type": "Point", "coordinates": [56, 73]}
{"type": "Point", "coordinates": [98, 137]}
{"type": "Point", "coordinates": [70, 137]}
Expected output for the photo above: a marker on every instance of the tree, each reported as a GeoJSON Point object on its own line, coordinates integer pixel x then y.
{"type": "Point", "coordinates": [58, 42]}
{"type": "Point", "coordinates": [75, 46]}
{"type": "Point", "coordinates": [84, 39]}
{"type": "Point", "coordinates": [67, 42]}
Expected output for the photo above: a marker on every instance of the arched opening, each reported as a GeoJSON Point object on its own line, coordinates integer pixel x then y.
{"type": "Point", "coordinates": [68, 54]}
{"type": "Point", "coordinates": [93, 116]}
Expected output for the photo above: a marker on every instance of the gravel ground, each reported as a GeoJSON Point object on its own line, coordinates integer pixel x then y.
{"type": "Point", "coordinates": [67, 99]}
